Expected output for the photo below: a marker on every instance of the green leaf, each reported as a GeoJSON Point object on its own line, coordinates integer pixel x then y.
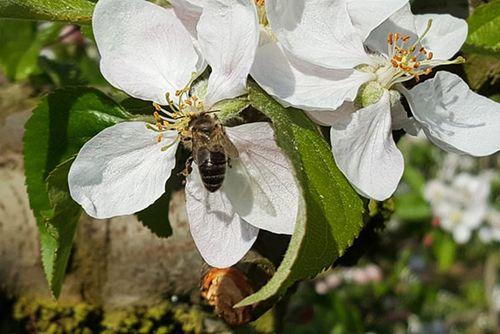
{"type": "Point", "coordinates": [57, 229]}
{"type": "Point", "coordinates": [495, 97]}
{"type": "Point", "coordinates": [76, 11]}
{"type": "Point", "coordinates": [412, 207]}
{"type": "Point", "coordinates": [484, 27]}
{"type": "Point", "coordinates": [22, 42]}
{"type": "Point", "coordinates": [59, 126]}
{"type": "Point", "coordinates": [155, 217]}
{"type": "Point", "coordinates": [481, 70]}
{"type": "Point", "coordinates": [445, 250]}
{"type": "Point", "coordinates": [231, 108]}
{"type": "Point", "coordinates": [332, 214]}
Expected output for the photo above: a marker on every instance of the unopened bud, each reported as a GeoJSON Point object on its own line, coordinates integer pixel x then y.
{"type": "Point", "coordinates": [224, 288]}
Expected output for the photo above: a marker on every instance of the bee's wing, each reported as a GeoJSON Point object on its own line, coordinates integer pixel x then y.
{"type": "Point", "coordinates": [200, 148]}
{"type": "Point", "coordinates": [229, 148]}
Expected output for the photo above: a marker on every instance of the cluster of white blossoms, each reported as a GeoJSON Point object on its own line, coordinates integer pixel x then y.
{"type": "Point", "coordinates": [461, 201]}
{"type": "Point", "coordinates": [343, 61]}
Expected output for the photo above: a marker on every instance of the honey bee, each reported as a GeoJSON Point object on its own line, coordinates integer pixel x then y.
{"type": "Point", "coordinates": [212, 149]}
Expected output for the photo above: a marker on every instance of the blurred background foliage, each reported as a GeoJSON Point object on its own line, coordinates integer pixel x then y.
{"type": "Point", "coordinates": [433, 268]}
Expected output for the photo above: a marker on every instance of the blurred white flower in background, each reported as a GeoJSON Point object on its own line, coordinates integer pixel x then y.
{"type": "Point", "coordinates": [460, 201]}
{"type": "Point", "coordinates": [356, 275]}
{"type": "Point", "coordinates": [491, 230]}
{"type": "Point", "coordinates": [496, 298]}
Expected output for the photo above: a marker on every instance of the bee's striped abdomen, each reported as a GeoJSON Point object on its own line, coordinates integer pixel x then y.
{"type": "Point", "coordinates": [213, 170]}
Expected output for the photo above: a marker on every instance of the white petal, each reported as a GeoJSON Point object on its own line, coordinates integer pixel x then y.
{"type": "Point", "coordinates": [461, 234]}
{"type": "Point", "coordinates": [454, 117]}
{"type": "Point", "coordinates": [221, 236]}
{"type": "Point", "coordinates": [295, 83]}
{"type": "Point", "coordinates": [327, 118]}
{"type": "Point", "coordinates": [266, 195]}
{"type": "Point", "coordinates": [446, 36]}
{"type": "Point", "coordinates": [189, 12]}
{"type": "Point", "coordinates": [366, 15]}
{"type": "Point", "coordinates": [145, 49]}
{"type": "Point", "coordinates": [402, 22]}
{"type": "Point", "coordinates": [228, 34]}
{"type": "Point", "coordinates": [122, 170]}
{"type": "Point", "coordinates": [317, 31]}
{"type": "Point", "coordinates": [400, 120]}
{"type": "Point", "coordinates": [365, 151]}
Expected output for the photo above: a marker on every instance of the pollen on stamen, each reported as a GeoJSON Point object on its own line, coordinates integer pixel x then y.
{"type": "Point", "coordinates": [159, 138]}
{"type": "Point", "coordinates": [158, 119]}
{"type": "Point", "coordinates": [390, 39]}
{"type": "Point", "coordinates": [430, 55]}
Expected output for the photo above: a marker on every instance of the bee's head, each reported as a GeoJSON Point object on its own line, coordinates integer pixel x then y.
{"type": "Point", "coordinates": [203, 122]}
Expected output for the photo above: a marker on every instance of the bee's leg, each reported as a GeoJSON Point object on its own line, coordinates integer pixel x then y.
{"type": "Point", "coordinates": [229, 163]}
{"type": "Point", "coordinates": [187, 168]}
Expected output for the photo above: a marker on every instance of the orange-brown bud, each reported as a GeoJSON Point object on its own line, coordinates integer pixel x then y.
{"type": "Point", "coordinates": [224, 288]}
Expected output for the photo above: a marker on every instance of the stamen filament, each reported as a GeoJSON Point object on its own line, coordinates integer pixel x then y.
{"type": "Point", "coordinates": [164, 148]}
{"type": "Point", "coordinates": [426, 31]}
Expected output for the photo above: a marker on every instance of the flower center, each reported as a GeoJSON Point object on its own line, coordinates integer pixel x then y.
{"type": "Point", "coordinates": [407, 61]}
{"type": "Point", "coordinates": [178, 117]}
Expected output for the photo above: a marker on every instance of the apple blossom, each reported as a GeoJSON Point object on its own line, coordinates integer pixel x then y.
{"type": "Point", "coordinates": [345, 62]}
{"type": "Point", "coordinates": [490, 232]}
{"type": "Point", "coordinates": [148, 53]}
{"type": "Point", "coordinates": [460, 204]}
